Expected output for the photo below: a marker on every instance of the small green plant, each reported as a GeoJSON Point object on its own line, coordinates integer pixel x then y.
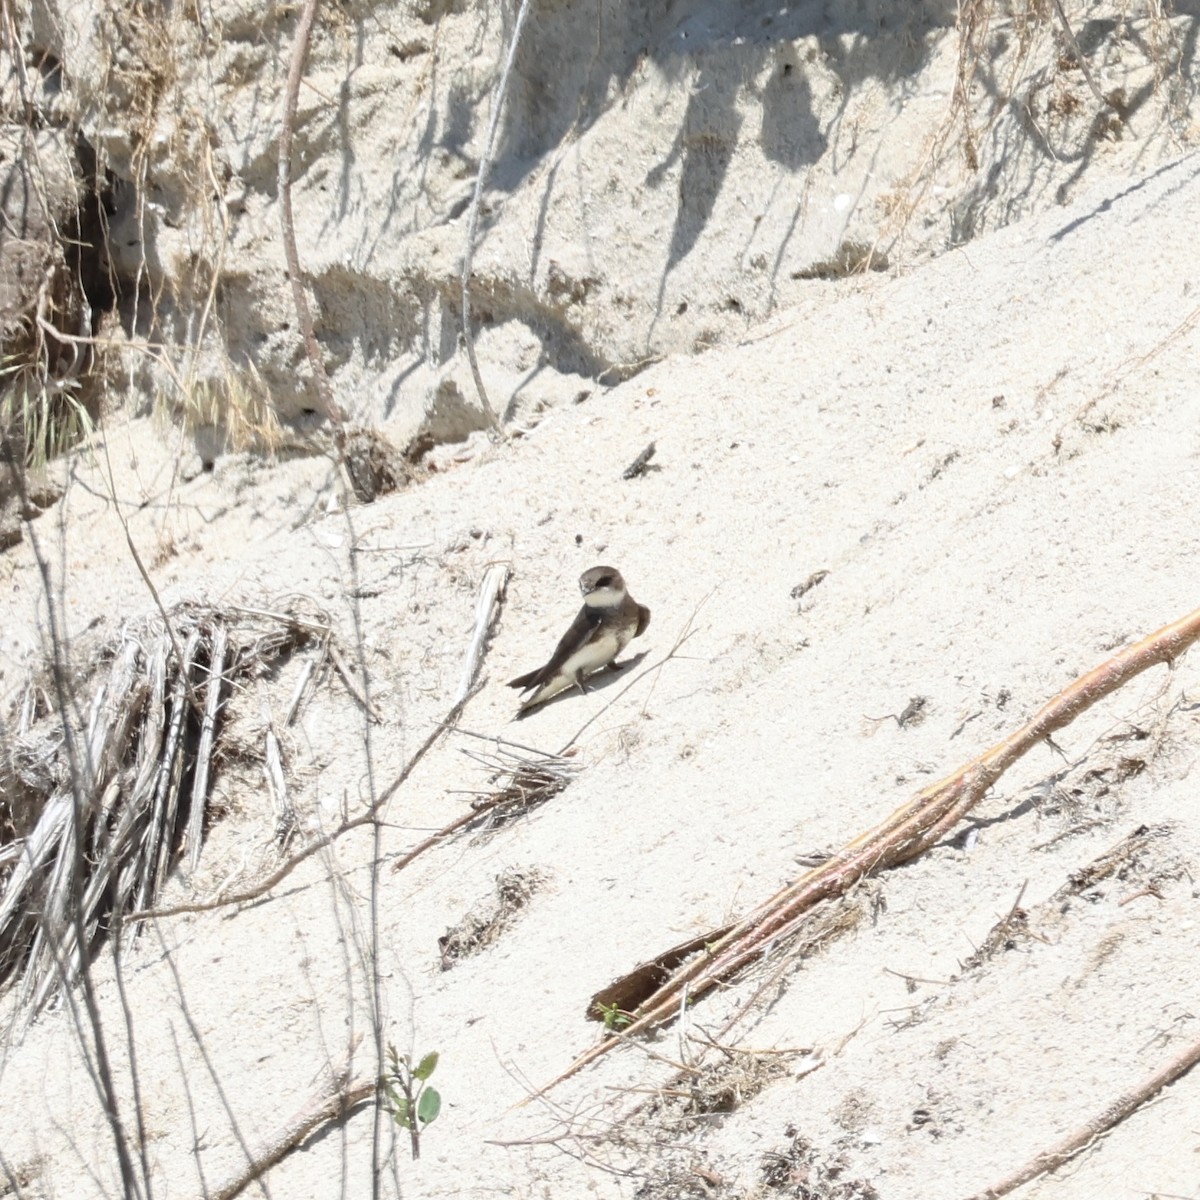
{"type": "Point", "coordinates": [614, 1016]}
{"type": "Point", "coordinates": [411, 1101]}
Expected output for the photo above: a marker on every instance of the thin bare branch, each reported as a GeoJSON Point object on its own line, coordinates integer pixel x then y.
{"type": "Point", "coordinates": [315, 846]}
{"type": "Point", "coordinates": [1096, 1127]}
{"type": "Point", "coordinates": [331, 1103]}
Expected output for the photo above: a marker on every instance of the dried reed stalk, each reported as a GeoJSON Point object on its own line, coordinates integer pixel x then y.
{"type": "Point", "coordinates": [487, 608]}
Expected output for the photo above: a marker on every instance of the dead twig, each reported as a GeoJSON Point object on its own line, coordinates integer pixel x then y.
{"type": "Point", "coordinates": [530, 782]}
{"type": "Point", "coordinates": [641, 464]}
{"type": "Point", "coordinates": [352, 685]}
{"type": "Point", "coordinates": [331, 1103]}
{"type": "Point", "coordinates": [316, 845]}
{"type": "Point", "coordinates": [208, 733]}
{"type": "Point", "coordinates": [1073, 42]}
{"type": "Point", "coordinates": [287, 867]}
{"type": "Point", "coordinates": [1096, 1127]}
{"type": "Point", "coordinates": [908, 832]}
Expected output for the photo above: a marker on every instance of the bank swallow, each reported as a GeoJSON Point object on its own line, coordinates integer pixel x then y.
{"type": "Point", "coordinates": [608, 621]}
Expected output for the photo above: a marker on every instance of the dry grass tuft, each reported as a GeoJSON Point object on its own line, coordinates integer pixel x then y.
{"type": "Point", "coordinates": [235, 412]}
{"type": "Point", "coordinates": [521, 780]}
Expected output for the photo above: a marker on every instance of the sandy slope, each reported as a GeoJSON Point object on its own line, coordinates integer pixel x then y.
{"type": "Point", "coordinates": [995, 459]}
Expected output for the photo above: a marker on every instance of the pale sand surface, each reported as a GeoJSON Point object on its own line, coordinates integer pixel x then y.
{"type": "Point", "coordinates": [996, 457]}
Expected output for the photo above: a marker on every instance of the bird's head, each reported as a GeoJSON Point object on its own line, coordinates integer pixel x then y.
{"type": "Point", "coordinates": [602, 587]}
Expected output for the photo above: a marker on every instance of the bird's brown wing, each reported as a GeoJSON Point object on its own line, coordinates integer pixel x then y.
{"type": "Point", "coordinates": [643, 620]}
{"type": "Point", "coordinates": [577, 636]}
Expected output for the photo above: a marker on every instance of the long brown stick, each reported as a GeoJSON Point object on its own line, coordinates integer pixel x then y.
{"type": "Point", "coordinates": [1108, 1118]}
{"type": "Point", "coordinates": [908, 832]}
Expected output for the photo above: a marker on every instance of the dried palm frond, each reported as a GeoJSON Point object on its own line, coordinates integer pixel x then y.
{"type": "Point", "coordinates": [101, 794]}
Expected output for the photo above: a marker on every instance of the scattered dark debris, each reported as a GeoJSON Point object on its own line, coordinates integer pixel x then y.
{"type": "Point", "coordinates": [916, 1015]}
{"type": "Point", "coordinates": [1104, 423]}
{"type": "Point", "coordinates": [410, 49]}
{"type": "Point", "coordinates": [582, 395]}
{"type": "Point", "coordinates": [913, 713]}
{"type": "Point", "coordinates": [714, 1090]}
{"type": "Point", "coordinates": [1131, 859]}
{"type": "Point", "coordinates": [641, 464]}
{"type": "Point", "coordinates": [681, 1181]}
{"type": "Point", "coordinates": [20, 1176]}
{"type": "Point", "coordinates": [998, 401]}
{"type": "Point", "coordinates": [1006, 934]}
{"type": "Point", "coordinates": [579, 539]}
{"type": "Point", "coordinates": [1142, 860]}
{"type": "Point", "coordinates": [484, 924]}
{"type": "Point", "coordinates": [565, 289]}
{"type": "Point", "coordinates": [801, 589]}
{"type": "Point", "coordinates": [939, 468]}
{"type": "Point", "coordinates": [856, 1111]}
{"type": "Point", "coordinates": [800, 1170]}
{"type": "Point", "coordinates": [850, 258]}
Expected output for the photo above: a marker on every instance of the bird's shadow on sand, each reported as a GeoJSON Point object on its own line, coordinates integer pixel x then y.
{"type": "Point", "coordinates": [598, 682]}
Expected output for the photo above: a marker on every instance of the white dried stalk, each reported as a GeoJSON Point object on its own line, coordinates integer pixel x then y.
{"type": "Point", "coordinates": [487, 606]}
{"type": "Point", "coordinates": [28, 708]}
{"type": "Point", "coordinates": [166, 796]}
{"type": "Point", "coordinates": [212, 702]}
{"type": "Point", "coordinates": [150, 741]}
{"type": "Point", "coordinates": [126, 806]}
{"type": "Point", "coordinates": [298, 694]}
{"type": "Point", "coordinates": [51, 926]}
{"type": "Point", "coordinates": [285, 814]}
{"type": "Point", "coordinates": [38, 847]}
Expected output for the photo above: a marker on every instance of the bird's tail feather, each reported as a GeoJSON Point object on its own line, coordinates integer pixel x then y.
{"type": "Point", "coordinates": [524, 682]}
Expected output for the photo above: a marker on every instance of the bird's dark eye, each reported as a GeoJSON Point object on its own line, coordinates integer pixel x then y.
{"type": "Point", "coordinates": [604, 581]}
